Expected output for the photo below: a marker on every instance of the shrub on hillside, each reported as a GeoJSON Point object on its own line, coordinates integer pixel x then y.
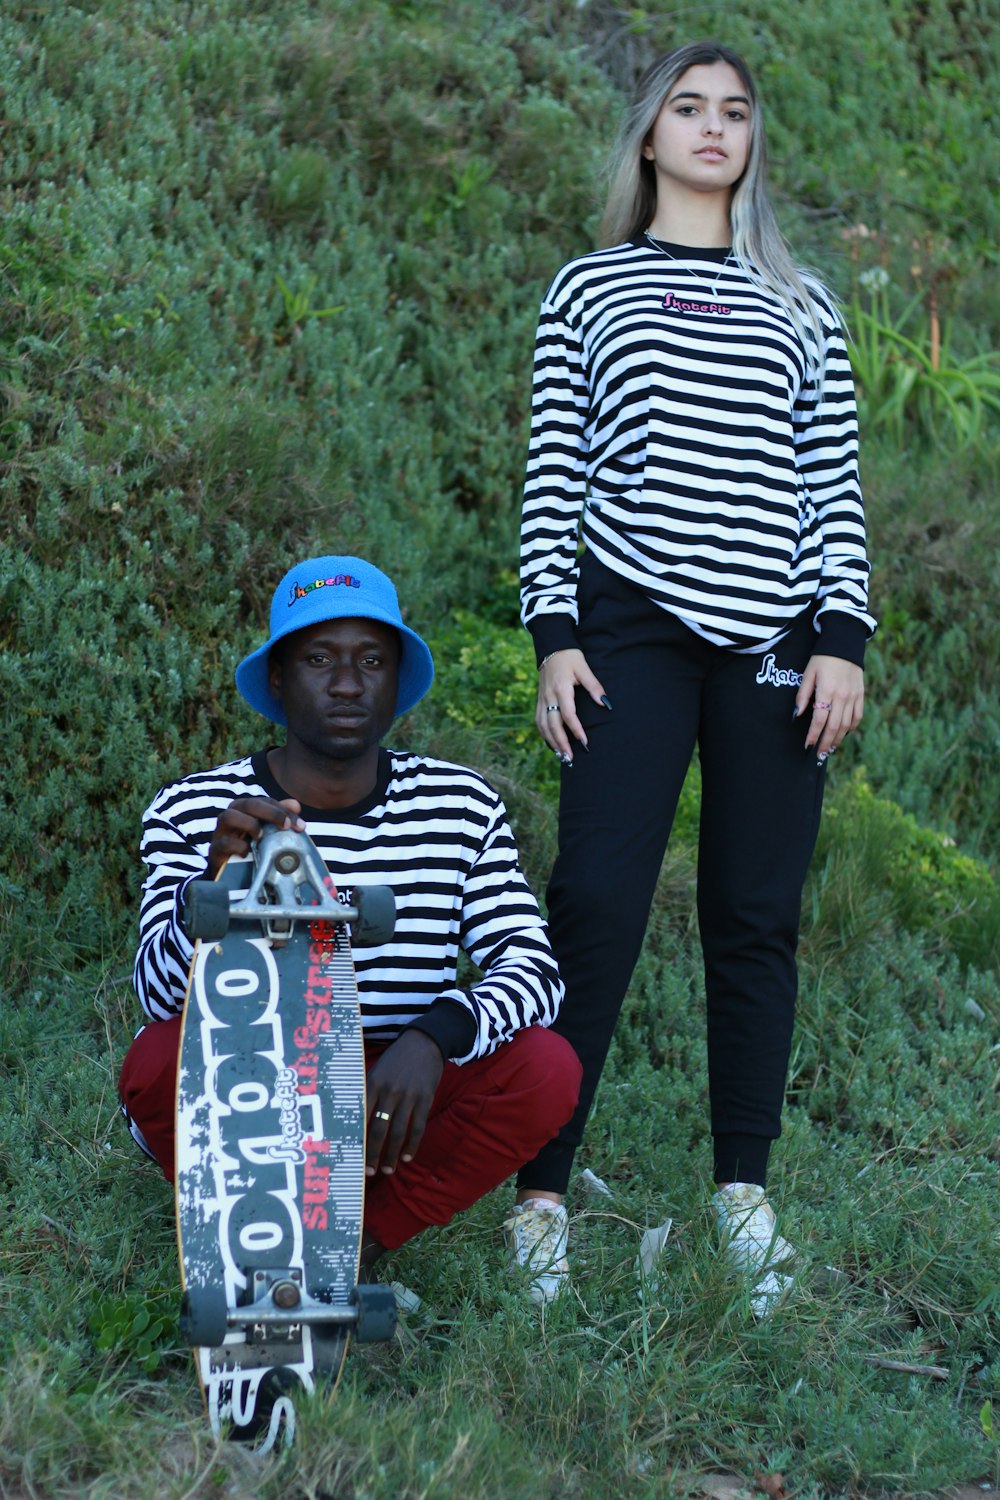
{"type": "Point", "coordinates": [877, 866]}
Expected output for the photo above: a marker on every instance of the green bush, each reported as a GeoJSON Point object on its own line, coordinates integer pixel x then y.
{"type": "Point", "coordinates": [931, 732]}
{"type": "Point", "coordinates": [875, 858]}
{"type": "Point", "coordinates": [486, 683]}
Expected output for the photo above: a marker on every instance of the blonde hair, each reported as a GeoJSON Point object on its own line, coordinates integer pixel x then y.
{"type": "Point", "coordinates": [759, 247]}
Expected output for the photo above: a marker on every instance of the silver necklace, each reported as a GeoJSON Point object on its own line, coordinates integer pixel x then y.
{"type": "Point", "coordinates": [713, 285]}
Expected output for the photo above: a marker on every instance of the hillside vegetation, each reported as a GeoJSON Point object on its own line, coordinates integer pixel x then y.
{"type": "Point", "coordinates": [270, 274]}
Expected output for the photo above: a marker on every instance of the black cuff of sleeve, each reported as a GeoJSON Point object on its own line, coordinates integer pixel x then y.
{"type": "Point", "coordinates": [552, 633]}
{"type": "Point", "coordinates": [450, 1026]}
{"type": "Point", "coordinates": [842, 635]}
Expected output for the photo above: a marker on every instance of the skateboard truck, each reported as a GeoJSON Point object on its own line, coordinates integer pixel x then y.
{"type": "Point", "coordinates": [282, 1302]}
{"type": "Point", "coordinates": [290, 883]}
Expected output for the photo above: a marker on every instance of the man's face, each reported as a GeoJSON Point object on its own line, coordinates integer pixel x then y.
{"type": "Point", "coordinates": [337, 682]}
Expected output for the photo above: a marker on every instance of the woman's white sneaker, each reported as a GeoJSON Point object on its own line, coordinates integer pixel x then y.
{"type": "Point", "coordinates": [753, 1245]}
{"type": "Point", "coordinates": [535, 1233]}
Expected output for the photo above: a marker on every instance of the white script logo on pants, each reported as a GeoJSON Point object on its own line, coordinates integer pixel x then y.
{"type": "Point", "coordinates": [777, 676]}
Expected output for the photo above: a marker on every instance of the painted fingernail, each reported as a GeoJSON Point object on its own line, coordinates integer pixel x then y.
{"type": "Point", "coordinates": [567, 761]}
{"type": "Point", "coordinates": [796, 711]}
{"type": "Point", "coordinates": [821, 757]}
{"type": "Point", "coordinates": [606, 700]}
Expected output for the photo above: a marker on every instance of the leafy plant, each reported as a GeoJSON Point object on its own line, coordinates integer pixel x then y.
{"type": "Point", "coordinates": [134, 1327]}
{"type": "Point", "coordinates": [297, 305]}
{"type": "Point", "coordinates": [909, 378]}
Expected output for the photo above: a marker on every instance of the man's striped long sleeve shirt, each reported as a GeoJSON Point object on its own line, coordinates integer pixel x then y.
{"type": "Point", "coordinates": [438, 835]}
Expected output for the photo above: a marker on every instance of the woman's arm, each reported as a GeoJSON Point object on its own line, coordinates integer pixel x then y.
{"type": "Point", "coordinates": [826, 441]}
{"type": "Point", "coordinates": [554, 493]}
{"type": "Point", "coordinates": [826, 437]}
{"type": "Point", "coordinates": [555, 484]}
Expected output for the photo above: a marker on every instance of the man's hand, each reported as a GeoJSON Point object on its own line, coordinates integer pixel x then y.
{"type": "Point", "coordinates": [242, 824]}
{"type": "Point", "coordinates": [401, 1088]}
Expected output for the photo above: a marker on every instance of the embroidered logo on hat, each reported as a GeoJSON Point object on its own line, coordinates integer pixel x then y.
{"type": "Point", "coordinates": [302, 590]}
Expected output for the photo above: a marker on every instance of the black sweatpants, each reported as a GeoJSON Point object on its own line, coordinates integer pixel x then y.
{"type": "Point", "coordinates": [762, 793]}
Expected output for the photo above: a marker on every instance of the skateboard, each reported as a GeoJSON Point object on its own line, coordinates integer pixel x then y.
{"type": "Point", "coordinates": [271, 1135]}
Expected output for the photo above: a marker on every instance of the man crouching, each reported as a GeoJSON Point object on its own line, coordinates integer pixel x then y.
{"type": "Point", "coordinates": [465, 1083]}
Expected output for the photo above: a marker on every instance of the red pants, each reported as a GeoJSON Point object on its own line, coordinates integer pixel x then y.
{"type": "Point", "coordinates": [488, 1118]}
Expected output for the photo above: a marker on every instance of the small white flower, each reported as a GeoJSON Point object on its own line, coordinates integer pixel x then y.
{"type": "Point", "coordinates": [875, 278]}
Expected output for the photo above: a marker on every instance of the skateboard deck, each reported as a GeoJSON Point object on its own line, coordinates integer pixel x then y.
{"type": "Point", "coordinates": [271, 1136]}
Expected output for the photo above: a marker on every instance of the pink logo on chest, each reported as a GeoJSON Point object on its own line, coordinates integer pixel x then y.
{"type": "Point", "coordinates": [673, 304]}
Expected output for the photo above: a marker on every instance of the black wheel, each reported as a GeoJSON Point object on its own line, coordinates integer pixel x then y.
{"type": "Point", "coordinates": [376, 915]}
{"type": "Point", "coordinates": [203, 1316]}
{"type": "Point", "coordinates": [206, 911]}
{"type": "Point", "coordinates": [376, 1307]}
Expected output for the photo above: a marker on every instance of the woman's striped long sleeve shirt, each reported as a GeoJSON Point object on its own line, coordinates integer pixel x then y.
{"type": "Point", "coordinates": [677, 426]}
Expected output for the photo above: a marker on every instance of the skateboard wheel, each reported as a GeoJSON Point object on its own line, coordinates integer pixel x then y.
{"type": "Point", "coordinates": [206, 911]}
{"type": "Point", "coordinates": [203, 1316]}
{"type": "Point", "coordinates": [376, 1305]}
{"type": "Point", "coordinates": [376, 915]}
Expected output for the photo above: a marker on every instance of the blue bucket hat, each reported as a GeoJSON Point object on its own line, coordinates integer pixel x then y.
{"type": "Point", "coordinates": [334, 588]}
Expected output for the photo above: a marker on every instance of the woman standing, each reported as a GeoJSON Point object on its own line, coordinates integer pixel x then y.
{"type": "Point", "coordinates": [693, 420]}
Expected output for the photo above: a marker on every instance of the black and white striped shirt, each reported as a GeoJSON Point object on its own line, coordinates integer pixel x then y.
{"type": "Point", "coordinates": [674, 412]}
{"type": "Point", "coordinates": [438, 835]}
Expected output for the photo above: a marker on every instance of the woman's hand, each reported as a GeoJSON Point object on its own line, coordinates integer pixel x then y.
{"type": "Point", "coordinates": [836, 690]}
{"type": "Point", "coordinates": [555, 713]}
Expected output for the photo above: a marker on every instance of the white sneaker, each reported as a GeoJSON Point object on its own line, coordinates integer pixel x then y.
{"type": "Point", "coordinates": [753, 1245]}
{"type": "Point", "coordinates": [407, 1300]}
{"type": "Point", "coordinates": [535, 1233]}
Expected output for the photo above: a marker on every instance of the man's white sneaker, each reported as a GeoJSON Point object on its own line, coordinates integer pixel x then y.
{"type": "Point", "coordinates": [535, 1233]}
{"type": "Point", "coordinates": [753, 1245]}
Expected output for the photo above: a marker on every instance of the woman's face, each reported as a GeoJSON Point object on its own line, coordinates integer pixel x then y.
{"type": "Point", "coordinates": [700, 139]}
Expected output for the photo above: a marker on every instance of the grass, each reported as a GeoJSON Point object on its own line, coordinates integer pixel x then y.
{"type": "Point", "coordinates": [887, 1170]}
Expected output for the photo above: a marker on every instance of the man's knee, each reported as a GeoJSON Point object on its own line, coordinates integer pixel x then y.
{"type": "Point", "coordinates": [147, 1083]}
{"type": "Point", "coordinates": [548, 1070]}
